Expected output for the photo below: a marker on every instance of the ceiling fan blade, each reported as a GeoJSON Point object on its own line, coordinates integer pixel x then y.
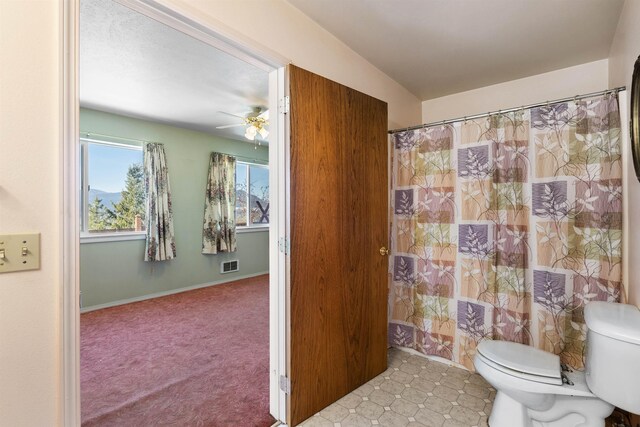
{"type": "Point", "coordinates": [229, 126]}
{"type": "Point", "coordinates": [232, 115]}
{"type": "Point", "coordinates": [264, 115]}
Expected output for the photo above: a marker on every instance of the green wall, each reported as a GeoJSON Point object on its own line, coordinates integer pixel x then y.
{"type": "Point", "coordinates": [113, 271]}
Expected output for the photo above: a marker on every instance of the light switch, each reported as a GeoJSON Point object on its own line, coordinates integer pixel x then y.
{"type": "Point", "coordinates": [19, 252]}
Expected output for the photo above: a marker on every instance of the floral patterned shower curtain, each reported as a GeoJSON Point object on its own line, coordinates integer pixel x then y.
{"type": "Point", "coordinates": [160, 242]}
{"type": "Point", "coordinates": [505, 228]}
{"type": "Point", "coordinates": [219, 234]}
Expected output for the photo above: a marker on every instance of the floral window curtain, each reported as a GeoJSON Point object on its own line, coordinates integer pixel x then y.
{"type": "Point", "coordinates": [219, 234]}
{"type": "Point", "coordinates": [505, 228]}
{"type": "Point", "coordinates": [160, 243]}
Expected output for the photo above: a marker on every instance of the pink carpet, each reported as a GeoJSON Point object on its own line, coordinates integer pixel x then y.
{"type": "Point", "coordinates": [199, 358]}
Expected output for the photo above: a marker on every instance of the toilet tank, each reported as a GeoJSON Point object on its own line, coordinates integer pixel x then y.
{"type": "Point", "coordinates": [613, 353]}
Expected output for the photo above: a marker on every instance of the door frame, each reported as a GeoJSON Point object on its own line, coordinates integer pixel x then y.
{"type": "Point", "coordinates": [216, 34]}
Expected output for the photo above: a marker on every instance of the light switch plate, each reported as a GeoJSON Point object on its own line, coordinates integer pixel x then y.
{"type": "Point", "coordinates": [21, 252]}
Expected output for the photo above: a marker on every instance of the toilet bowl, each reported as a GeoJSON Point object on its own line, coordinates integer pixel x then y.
{"type": "Point", "coordinates": [531, 390]}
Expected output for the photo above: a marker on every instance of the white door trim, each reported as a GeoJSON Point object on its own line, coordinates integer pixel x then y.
{"type": "Point", "coordinates": [216, 34]}
{"type": "Point", "coordinates": [69, 224]}
{"type": "Point", "coordinates": [278, 255]}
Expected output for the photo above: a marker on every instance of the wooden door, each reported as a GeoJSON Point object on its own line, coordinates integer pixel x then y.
{"type": "Point", "coordinates": [338, 211]}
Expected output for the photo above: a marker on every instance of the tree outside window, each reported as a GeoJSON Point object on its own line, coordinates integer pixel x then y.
{"type": "Point", "coordinates": [115, 194]}
{"type": "Point", "coordinates": [252, 195]}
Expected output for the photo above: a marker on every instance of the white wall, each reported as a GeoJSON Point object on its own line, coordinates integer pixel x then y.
{"type": "Point", "coordinates": [30, 171]}
{"type": "Point", "coordinates": [30, 315]}
{"type": "Point", "coordinates": [577, 80]}
{"type": "Point", "coordinates": [624, 51]}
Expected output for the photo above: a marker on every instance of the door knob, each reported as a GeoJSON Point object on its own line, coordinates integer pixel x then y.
{"type": "Point", "coordinates": [384, 251]}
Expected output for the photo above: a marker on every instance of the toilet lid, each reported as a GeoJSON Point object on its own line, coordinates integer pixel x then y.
{"type": "Point", "coordinates": [521, 358]}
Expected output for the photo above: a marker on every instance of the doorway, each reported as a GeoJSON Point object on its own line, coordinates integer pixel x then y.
{"type": "Point", "coordinates": [74, 197]}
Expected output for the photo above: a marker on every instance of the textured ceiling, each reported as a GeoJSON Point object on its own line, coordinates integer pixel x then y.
{"type": "Point", "coordinates": [135, 66]}
{"type": "Point", "coordinates": [439, 47]}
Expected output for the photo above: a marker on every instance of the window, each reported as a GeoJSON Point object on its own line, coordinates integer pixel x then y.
{"type": "Point", "coordinates": [252, 195]}
{"type": "Point", "coordinates": [113, 184]}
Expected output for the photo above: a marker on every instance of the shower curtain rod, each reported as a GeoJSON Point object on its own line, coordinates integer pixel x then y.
{"type": "Point", "coordinates": [91, 134]}
{"type": "Point", "coordinates": [510, 110]}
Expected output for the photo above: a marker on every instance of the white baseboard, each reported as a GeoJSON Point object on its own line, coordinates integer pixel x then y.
{"type": "Point", "coordinates": [165, 293]}
{"type": "Point", "coordinates": [434, 358]}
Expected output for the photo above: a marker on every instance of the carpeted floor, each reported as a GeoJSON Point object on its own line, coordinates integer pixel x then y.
{"type": "Point", "coordinates": [199, 358]}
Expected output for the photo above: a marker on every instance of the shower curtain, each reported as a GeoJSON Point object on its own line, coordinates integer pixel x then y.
{"type": "Point", "coordinates": [504, 228]}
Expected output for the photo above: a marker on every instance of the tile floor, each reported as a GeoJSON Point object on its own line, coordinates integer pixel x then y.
{"type": "Point", "coordinates": [413, 392]}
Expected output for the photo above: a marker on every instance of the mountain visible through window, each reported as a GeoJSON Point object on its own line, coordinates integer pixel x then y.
{"type": "Point", "coordinates": [115, 194]}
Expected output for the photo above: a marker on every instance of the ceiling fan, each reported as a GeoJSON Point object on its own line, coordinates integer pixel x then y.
{"type": "Point", "coordinates": [255, 121]}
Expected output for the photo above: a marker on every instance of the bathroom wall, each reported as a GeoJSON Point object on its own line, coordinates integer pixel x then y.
{"type": "Point", "coordinates": [31, 100]}
{"type": "Point", "coordinates": [624, 51]}
{"type": "Point", "coordinates": [580, 79]}
{"type": "Point", "coordinates": [31, 201]}
{"type": "Point", "coordinates": [115, 271]}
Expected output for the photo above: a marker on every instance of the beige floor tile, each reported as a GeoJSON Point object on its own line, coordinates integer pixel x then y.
{"type": "Point", "coordinates": [447, 393]}
{"type": "Point", "coordinates": [414, 395]}
{"type": "Point", "coordinates": [401, 377]}
{"type": "Point", "coordinates": [429, 418]}
{"type": "Point", "coordinates": [466, 416]}
{"type": "Point", "coordinates": [404, 407]}
{"type": "Point", "coordinates": [423, 385]}
{"type": "Point", "coordinates": [472, 402]}
{"type": "Point", "coordinates": [438, 404]}
{"type": "Point", "coordinates": [350, 401]}
{"type": "Point", "coordinates": [476, 390]}
{"type": "Point", "coordinates": [334, 413]}
{"type": "Point", "coordinates": [364, 390]}
{"type": "Point", "coordinates": [406, 395]}
{"type": "Point", "coordinates": [317, 422]}
{"type": "Point", "coordinates": [393, 419]}
{"type": "Point", "coordinates": [355, 420]}
{"type": "Point", "coordinates": [392, 387]}
{"type": "Point", "coordinates": [381, 397]}
{"type": "Point", "coordinates": [370, 410]}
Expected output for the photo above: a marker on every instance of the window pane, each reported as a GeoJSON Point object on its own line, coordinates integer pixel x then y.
{"type": "Point", "coordinates": [241, 194]}
{"type": "Point", "coordinates": [116, 189]}
{"type": "Point", "coordinates": [259, 195]}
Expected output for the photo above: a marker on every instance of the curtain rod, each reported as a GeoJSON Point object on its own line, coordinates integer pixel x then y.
{"type": "Point", "coordinates": [510, 110]}
{"type": "Point", "coordinates": [90, 134]}
{"type": "Point", "coordinates": [247, 159]}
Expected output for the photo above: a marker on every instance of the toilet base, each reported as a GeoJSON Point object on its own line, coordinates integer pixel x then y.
{"type": "Point", "coordinates": [507, 412]}
{"type": "Point", "coordinates": [563, 411]}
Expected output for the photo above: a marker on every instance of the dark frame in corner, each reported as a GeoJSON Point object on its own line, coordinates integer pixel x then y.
{"type": "Point", "coordinates": [634, 125]}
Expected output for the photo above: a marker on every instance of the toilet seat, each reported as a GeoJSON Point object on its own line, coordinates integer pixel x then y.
{"type": "Point", "coordinates": [521, 361]}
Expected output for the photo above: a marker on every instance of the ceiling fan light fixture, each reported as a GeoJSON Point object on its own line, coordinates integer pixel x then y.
{"type": "Point", "coordinates": [263, 133]}
{"type": "Point", "coordinates": [250, 133]}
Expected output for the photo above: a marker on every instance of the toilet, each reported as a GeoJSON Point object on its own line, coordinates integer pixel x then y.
{"type": "Point", "coordinates": [534, 391]}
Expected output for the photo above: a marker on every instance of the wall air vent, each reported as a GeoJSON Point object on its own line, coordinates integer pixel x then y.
{"type": "Point", "coordinates": [229, 266]}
